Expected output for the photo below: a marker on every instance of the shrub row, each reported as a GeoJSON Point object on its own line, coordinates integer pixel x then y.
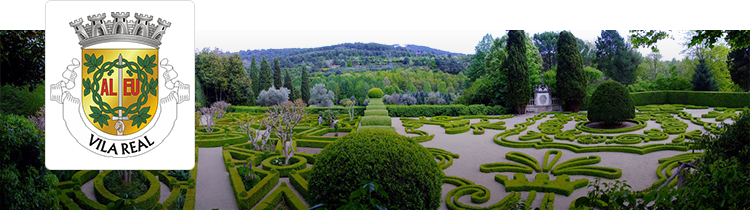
{"type": "Point", "coordinates": [598, 171]}
{"type": "Point", "coordinates": [312, 143]}
{"type": "Point", "coordinates": [299, 183]}
{"type": "Point", "coordinates": [147, 201]}
{"type": "Point", "coordinates": [530, 198]}
{"type": "Point", "coordinates": [591, 139]}
{"type": "Point", "coordinates": [561, 185]}
{"type": "Point", "coordinates": [523, 159]}
{"type": "Point", "coordinates": [479, 194]}
{"type": "Point", "coordinates": [219, 139]}
{"type": "Point", "coordinates": [84, 176]}
{"type": "Point", "coordinates": [65, 201]}
{"type": "Point", "coordinates": [582, 126]}
{"type": "Point", "coordinates": [457, 130]}
{"type": "Point", "coordinates": [548, 202]}
{"type": "Point", "coordinates": [445, 158]}
{"type": "Point", "coordinates": [531, 135]}
{"type": "Point", "coordinates": [443, 110]}
{"type": "Point", "coordinates": [300, 163]}
{"type": "Point", "coordinates": [376, 112]}
{"type": "Point", "coordinates": [656, 134]}
{"type": "Point", "coordinates": [629, 139]}
{"type": "Point", "coordinates": [668, 164]}
{"type": "Point", "coordinates": [547, 166]}
{"type": "Point", "coordinates": [458, 181]}
{"type": "Point", "coordinates": [505, 167]}
{"type": "Point", "coordinates": [247, 199]}
{"type": "Point", "coordinates": [66, 184]}
{"type": "Point", "coordinates": [501, 139]}
{"type": "Point", "coordinates": [83, 201]}
{"type": "Point", "coordinates": [398, 110]}
{"type": "Point", "coordinates": [19, 100]}
{"type": "Point", "coordinates": [358, 110]}
{"type": "Point", "coordinates": [383, 127]}
{"type": "Point", "coordinates": [169, 202]}
{"type": "Point", "coordinates": [375, 121]}
{"type": "Point", "coordinates": [478, 130]}
{"type": "Point", "coordinates": [697, 98]}
{"type": "Point", "coordinates": [569, 135]}
{"type": "Point", "coordinates": [285, 193]}
{"type": "Point", "coordinates": [420, 139]}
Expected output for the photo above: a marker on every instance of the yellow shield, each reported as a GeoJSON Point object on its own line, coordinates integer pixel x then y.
{"type": "Point", "coordinates": [120, 88]}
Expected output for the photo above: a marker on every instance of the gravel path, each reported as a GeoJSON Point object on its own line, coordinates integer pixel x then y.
{"type": "Point", "coordinates": [213, 189]}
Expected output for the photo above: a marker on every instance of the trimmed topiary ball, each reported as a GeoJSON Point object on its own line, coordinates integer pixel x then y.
{"type": "Point", "coordinates": [405, 170]}
{"type": "Point", "coordinates": [611, 104]}
{"type": "Point", "coordinates": [375, 93]}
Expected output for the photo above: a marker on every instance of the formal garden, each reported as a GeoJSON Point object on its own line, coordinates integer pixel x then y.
{"type": "Point", "coordinates": [481, 160]}
{"type": "Point", "coordinates": [499, 144]}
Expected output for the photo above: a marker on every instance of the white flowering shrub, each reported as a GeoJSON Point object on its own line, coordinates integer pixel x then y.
{"type": "Point", "coordinates": [321, 97]}
{"type": "Point", "coordinates": [272, 96]}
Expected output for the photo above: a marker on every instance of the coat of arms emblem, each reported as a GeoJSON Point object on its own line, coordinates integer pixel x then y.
{"type": "Point", "coordinates": [119, 83]}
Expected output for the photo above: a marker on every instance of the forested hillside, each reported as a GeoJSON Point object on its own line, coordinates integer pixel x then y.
{"type": "Point", "coordinates": [359, 57]}
{"type": "Point", "coordinates": [482, 78]}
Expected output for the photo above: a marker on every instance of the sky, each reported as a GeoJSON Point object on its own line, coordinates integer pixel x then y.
{"type": "Point", "coordinates": [458, 41]}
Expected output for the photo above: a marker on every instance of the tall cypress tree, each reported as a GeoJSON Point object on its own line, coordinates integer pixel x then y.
{"type": "Point", "coordinates": [702, 80]}
{"type": "Point", "coordinates": [571, 81]}
{"type": "Point", "coordinates": [305, 86]}
{"type": "Point", "coordinates": [738, 61]}
{"type": "Point", "coordinates": [518, 71]}
{"type": "Point", "coordinates": [264, 77]}
{"type": "Point", "coordinates": [254, 75]}
{"type": "Point", "coordinates": [288, 85]}
{"type": "Point", "coordinates": [277, 73]}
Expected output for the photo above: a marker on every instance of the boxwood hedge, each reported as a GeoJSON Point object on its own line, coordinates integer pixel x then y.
{"type": "Point", "coordinates": [443, 110]}
{"type": "Point", "coordinates": [375, 93]}
{"type": "Point", "coordinates": [358, 110]}
{"type": "Point", "coordinates": [376, 120]}
{"type": "Point", "coordinates": [399, 110]}
{"type": "Point", "coordinates": [611, 103]}
{"type": "Point", "coordinates": [405, 170]}
{"type": "Point", "coordinates": [376, 112]}
{"type": "Point", "coordinates": [697, 98]}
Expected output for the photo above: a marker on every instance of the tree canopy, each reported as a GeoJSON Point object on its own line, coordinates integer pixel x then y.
{"type": "Point", "coordinates": [739, 67]}
{"type": "Point", "coordinates": [265, 75]}
{"type": "Point", "coordinates": [547, 44]}
{"type": "Point", "coordinates": [277, 73]}
{"type": "Point", "coordinates": [305, 84]}
{"type": "Point", "coordinates": [223, 77]}
{"type": "Point", "coordinates": [615, 58]}
{"type": "Point", "coordinates": [21, 57]}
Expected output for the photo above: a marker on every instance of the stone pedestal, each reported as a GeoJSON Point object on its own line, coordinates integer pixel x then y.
{"type": "Point", "coordinates": [543, 101]}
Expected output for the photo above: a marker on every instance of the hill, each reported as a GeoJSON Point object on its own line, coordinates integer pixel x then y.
{"type": "Point", "coordinates": [357, 57]}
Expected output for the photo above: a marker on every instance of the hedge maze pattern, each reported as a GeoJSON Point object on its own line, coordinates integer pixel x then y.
{"type": "Point", "coordinates": [562, 185]}
{"type": "Point", "coordinates": [551, 133]}
{"type": "Point", "coordinates": [455, 125]}
{"type": "Point", "coordinates": [630, 143]}
{"type": "Point", "coordinates": [671, 134]}
{"type": "Point", "coordinates": [71, 195]}
{"type": "Point", "coordinates": [550, 176]}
